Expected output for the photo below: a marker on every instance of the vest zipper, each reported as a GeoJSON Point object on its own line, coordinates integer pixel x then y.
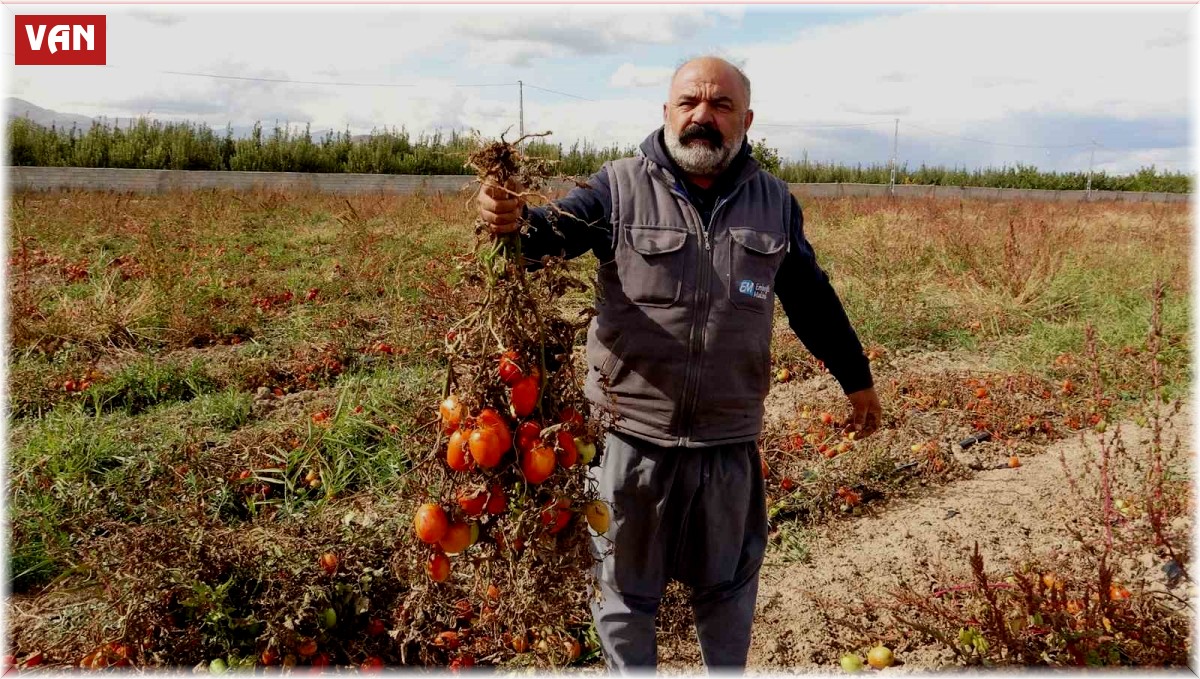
{"type": "Point", "coordinates": [701, 302]}
{"type": "Point", "coordinates": [688, 401]}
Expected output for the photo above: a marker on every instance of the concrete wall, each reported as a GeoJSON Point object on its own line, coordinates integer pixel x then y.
{"type": "Point", "coordinates": [157, 181]}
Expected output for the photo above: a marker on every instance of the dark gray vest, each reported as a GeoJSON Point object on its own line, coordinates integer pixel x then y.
{"type": "Point", "coordinates": [681, 341]}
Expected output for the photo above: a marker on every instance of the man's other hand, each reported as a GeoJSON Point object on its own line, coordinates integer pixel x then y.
{"type": "Point", "coordinates": [868, 412]}
{"type": "Point", "coordinates": [500, 208]}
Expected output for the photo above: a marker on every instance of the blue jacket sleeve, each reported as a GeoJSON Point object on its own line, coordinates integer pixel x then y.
{"type": "Point", "coordinates": [573, 225]}
{"type": "Point", "coordinates": [816, 314]}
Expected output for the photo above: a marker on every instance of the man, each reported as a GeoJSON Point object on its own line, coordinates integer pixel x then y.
{"type": "Point", "coordinates": [692, 238]}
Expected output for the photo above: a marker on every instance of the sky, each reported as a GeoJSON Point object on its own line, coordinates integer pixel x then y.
{"type": "Point", "coordinates": [1058, 87]}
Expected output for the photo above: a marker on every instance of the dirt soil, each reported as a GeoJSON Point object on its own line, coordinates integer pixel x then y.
{"type": "Point", "coordinates": [1011, 513]}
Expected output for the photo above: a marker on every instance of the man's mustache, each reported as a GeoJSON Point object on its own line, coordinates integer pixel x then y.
{"type": "Point", "coordinates": [696, 131]}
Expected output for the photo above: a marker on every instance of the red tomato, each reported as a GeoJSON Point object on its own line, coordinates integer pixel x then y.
{"type": "Point", "coordinates": [430, 523]}
{"type": "Point", "coordinates": [529, 433]}
{"type": "Point", "coordinates": [497, 502]}
{"type": "Point", "coordinates": [457, 455]}
{"type": "Point", "coordinates": [538, 464]}
{"type": "Point", "coordinates": [568, 454]}
{"type": "Point", "coordinates": [557, 515]}
{"type": "Point", "coordinates": [486, 447]}
{"type": "Point", "coordinates": [376, 627]}
{"type": "Point", "coordinates": [571, 418]}
{"type": "Point", "coordinates": [524, 395]}
{"type": "Point", "coordinates": [472, 502]}
{"type": "Point", "coordinates": [371, 664]}
{"type": "Point", "coordinates": [452, 412]}
{"type": "Point", "coordinates": [509, 370]}
{"type": "Point", "coordinates": [438, 567]}
{"type": "Point", "coordinates": [269, 657]}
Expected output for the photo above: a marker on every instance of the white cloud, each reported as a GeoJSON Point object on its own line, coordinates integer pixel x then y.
{"type": "Point", "coordinates": [629, 75]}
{"type": "Point", "coordinates": [517, 38]}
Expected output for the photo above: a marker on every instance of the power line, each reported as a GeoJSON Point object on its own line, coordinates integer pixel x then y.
{"type": "Point", "coordinates": [806, 126]}
{"type": "Point", "coordinates": [565, 94]}
{"type": "Point", "coordinates": [316, 82]}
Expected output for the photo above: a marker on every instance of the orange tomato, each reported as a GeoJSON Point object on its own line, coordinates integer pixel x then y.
{"type": "Point", "coordinates": [430, 523]}
{"type": "Point", "coordinates": [486, 447]}
{"type": "Point", "coordinates": [448, 640]}
{"type": "Point", "coordinates": [452, 413]}
{"type": "Point", "coordinates": [438, 567]}
{"type": "Point", "coordinates": [456, 539]}
{"type": "Point", "coordinates": [524, 395]}
{"type": "Point", "coordinates": [457, 455]}
{"type": "Point", "coordinates": [489, 417]}
{"type": "Point", "coordinates": [538, 464]}
{"type": "Point", "coordinates": [329, 562]}
{"type": "Point", "coordinates": [307, 647]}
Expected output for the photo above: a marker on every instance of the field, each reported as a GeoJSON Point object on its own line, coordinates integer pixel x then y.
{"type": "Point", "coordinates": [210, 391]}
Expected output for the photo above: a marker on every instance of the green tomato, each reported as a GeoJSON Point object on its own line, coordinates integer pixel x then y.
{"type": "Point", "coordinates": [217, 666]}
{"type": "Point", "coordinates": [851, 662]}
{"type": "Point", "coordinates": [328, 618]}
{"type": "Point", "coordinates": [587, 450]}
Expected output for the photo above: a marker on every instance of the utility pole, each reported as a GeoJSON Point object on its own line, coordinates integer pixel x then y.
{"type": "Point", "coordinates": [895, 148]}
{"type": "Point", "coordinates": [1091, 161]}
{"type": "Point", "coordinates": [521, 104]}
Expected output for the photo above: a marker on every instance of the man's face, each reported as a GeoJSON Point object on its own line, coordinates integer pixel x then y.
{"type": "Point", "coordinates": [706, 117]}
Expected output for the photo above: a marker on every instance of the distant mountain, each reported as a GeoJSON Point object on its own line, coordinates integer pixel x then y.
{"type": "Point", "coordinates": [19, 108]}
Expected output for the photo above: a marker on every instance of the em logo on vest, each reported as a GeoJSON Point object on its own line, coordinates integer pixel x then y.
{"type": "Point", "coordinates": [756, 290]}
{"type": "Point", "coordinates": [60, 40]}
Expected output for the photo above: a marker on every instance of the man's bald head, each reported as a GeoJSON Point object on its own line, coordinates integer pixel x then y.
{"type": "Point", "coordinates": [714, 65]}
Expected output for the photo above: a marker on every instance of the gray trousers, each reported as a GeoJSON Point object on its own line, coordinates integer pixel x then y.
{"type": "Point", "coordinates": [696, 515]}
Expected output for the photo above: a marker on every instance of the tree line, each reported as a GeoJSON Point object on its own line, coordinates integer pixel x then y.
{"type": "Point", "coordinates": [148, 144]}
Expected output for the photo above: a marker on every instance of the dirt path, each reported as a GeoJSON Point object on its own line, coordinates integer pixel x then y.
{"type": "Point", "coordinates": [1009, 512]}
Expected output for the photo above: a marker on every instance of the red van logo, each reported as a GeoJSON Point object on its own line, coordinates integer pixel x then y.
{"type": "Point", "coordinates": [60, 40]}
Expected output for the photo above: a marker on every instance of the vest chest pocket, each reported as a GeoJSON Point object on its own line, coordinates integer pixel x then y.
{"type": "Point", "coordinates": [652, 264]}
{"type": "Point", "coordinates": [754, 258]}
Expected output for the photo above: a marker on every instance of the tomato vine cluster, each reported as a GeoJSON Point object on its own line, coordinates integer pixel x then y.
{"type": "Point", "coordinates": [509, 528]}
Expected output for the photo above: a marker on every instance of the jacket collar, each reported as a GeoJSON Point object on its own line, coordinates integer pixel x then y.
{"type": "Point", "coordinates": [743, 166]}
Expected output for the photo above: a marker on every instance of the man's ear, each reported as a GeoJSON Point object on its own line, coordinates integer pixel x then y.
{"type": "Point", "coordinates": [749, 119]}
{"type": "Point", "coordinates": [664, 113]}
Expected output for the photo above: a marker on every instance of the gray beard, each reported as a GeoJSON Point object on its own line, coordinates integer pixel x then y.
{"type": "Point", "coordinates": [699, 158]}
